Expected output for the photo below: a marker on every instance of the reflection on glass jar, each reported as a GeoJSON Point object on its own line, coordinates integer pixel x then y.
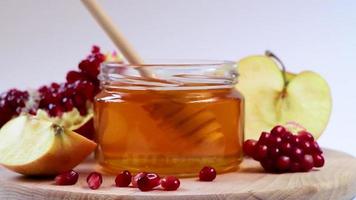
{"type": "Point", "coordinates": [182, 117]}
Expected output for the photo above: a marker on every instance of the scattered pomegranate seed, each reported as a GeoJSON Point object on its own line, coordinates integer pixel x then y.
{"type": "Point", "coordinates": [123, 179]}
{"type": "Point", "coordinates": [94, 180]}
{"type": "Point", "coordinates": [153, 179]}
{"type": "Point", "coordinates": [67, 178]}
{"type": "Point", "coordinates": [207, 174]}
{"type": "Point", "coordinates": [170, 183]}
{"type": "Point", "coordinates": [148, 181]}
{"type": "Point", "coordinates": [136, 177]}
{"type": "Point", "coordinates": [281, 151]}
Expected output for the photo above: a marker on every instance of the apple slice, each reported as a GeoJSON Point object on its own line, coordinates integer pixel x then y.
{"type": "Point", "coordinates": [32, 146]}
{"type": "Point", "coordinates": [274, 96]}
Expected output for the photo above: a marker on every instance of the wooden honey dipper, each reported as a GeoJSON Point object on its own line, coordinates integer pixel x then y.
{"type": "Point", "coordinates": [197, 122]}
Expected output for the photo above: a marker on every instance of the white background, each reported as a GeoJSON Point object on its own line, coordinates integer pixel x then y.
{"type": "Point", "coordinates": [40, 40]}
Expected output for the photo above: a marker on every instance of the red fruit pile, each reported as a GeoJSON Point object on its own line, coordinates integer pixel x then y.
{"type": "Point", "coordinates": [281, 151]}
{"type": "Point", "coordinates": [57, 98]}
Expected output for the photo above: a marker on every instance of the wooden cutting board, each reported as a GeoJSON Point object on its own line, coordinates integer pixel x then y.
{"type": "Point", "coordinates": [337, 180]}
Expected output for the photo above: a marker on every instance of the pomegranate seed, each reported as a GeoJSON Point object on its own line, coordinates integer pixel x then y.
{"type": "Point", "coordinates": [170, 183]}
{"type": "Point", "coordinates": [73, 76]}
{"type": "Point", "coordinates": [315, 147]}
{"type": "Point", "coordinates": [99, 58]}
{"type": "Point", "coordinates": [136, 177]}
{"type": "Point", "coordinates": [275, 141]}
{"type": "Point", "coordinates": [90, 68]}
{"type": "Point", "coordinates": [79, 101]}
{"type": "Point", "coordinates": [67, 104]}
{"type": "Point", "coordinates": [273, 152]}
{"type": "Point", "coordinates": [67, 178]}
{"type": "Point", "coordinates": [94, 180]}
{"type": "Point", "coordinates": [148, 181]}
{"type": "Point", "coordinates": [305, 136]}
{"type": "Point", "coordinates": [249, 147]}
{"type": "Point", "coordinates": [295, 167]}
{"type": "Point", "coordinates": [278, 130]}
{"type": "Point", "coordinates": [54, 110]}
{"type": "Point", "coordinates": [287, 136]}
{"type": "Point", "coordinates": [84, 87]}
{"type": "Point", "coordinates": [207, 174]}
{"type": "Point", "coordinates": [318, 160]}
{"type": "Point", "coordinates": [286, 148]}
{"type": "Point", "coordinates": [95, 49]}
{"type": "Point", "coordinates": [295, 140]}
{"type": "Point", "coordinates": [297, 154]}
{"type": "Point", "coordinates": [260, 152]}
{"type": "Point", "coordinates": [268, 165]}
{"type": "Point", "coordinates": [264, 138]}
{"type": "Point", "coordinates": [306, 146]}
{"type": "Point", "coordinates": [307, 163]}
{"type": "Point", "coordinates": [55, 86]}
{"type": "Point", "coordinates": [123, 179]}
{"type": "Point", "coordinates": [283, 163]}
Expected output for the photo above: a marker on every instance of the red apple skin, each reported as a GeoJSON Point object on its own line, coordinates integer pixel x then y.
{"type": "Point", "coordinates": [87, 130]}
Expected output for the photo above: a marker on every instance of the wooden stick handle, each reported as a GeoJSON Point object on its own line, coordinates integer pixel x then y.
{"type": "Point", "coordinates": [116, 36]}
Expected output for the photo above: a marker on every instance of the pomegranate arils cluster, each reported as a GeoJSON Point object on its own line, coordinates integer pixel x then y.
{"type": "Point", "coordinates": [57, 98]}
{"type": "Point", "coordinates": [281, 151]}
{"type": "Point", "coordinates": [12, 104]}
{"type": "Point", "coordinates": [81, 87]}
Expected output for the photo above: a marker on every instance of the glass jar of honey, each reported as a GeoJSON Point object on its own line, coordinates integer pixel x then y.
{"type": "Point", "coordinates": [174, 121]}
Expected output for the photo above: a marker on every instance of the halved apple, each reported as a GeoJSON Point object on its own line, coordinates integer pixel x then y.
{"type": "Point", "coordinates": [32, 146]}
{"type": "Point", "coordinates": [274, 96]}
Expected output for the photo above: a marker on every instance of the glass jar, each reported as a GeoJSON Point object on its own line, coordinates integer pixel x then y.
{"type": "Point", "coordinates": [171, 119]}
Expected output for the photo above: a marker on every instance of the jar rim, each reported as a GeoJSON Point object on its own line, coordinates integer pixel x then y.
{"type": "Point", "coordinates": [171, 63]}
{"type": "Point", "coordinates": [169, 73]}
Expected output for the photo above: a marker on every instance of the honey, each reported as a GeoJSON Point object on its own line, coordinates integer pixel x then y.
{"type": "Point", "coordinates": [172, 130]}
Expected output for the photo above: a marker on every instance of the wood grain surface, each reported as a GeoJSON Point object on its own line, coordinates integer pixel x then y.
{"type": "Point", "coordinates": [336, 181]}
